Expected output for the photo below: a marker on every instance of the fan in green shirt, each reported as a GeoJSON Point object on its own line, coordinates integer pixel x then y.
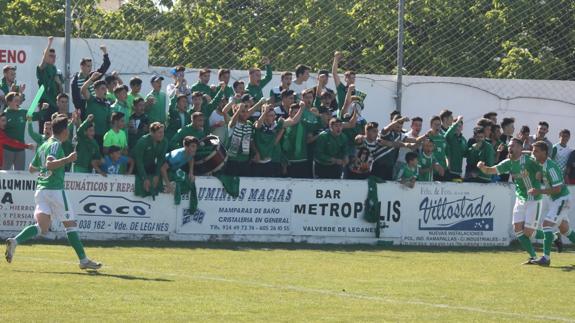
{"type": "Point", "coordinates": [331, 151]}
{"type": "Point", "coordinates": [135, 88]}
{"type": "Point", "coordinates": [224, 76]}
{"type": "Point", "coordinates": [409, 172]}
{"type": "Point", "coordinates": [8, 84]}
{"type": "Point", "coordinates": [121, 103]}
{"type": "Point", "coordinates": [268, 133]}
{"type": "Point", "coordinates": [256, 84]}
{"type": "Point", "coordinates": [482, 151]}
{"type": "Point", "coordinates": [97, 105]}
{"type": "Point", "coordinates": [16, 118]}
{"type": "Point", "coordinates": [195, 129]}
{"type": "Point", "coordinates": [456, 149]}
{"type": "Point", "coordinates": [199, 104]}
{"type": "Point", "coordinates": [179, 116]}
{"type": "Point", "coordinates": [87, 149]}
{"type": "Point", "coordinates": [116, 136]}
{"type": "Point", "coordinates": [436, 135]}
{"type": "Point", "coordinates": [47, 75]}
{"type": "Point", "coordinates": [149, 156]}
{"type": "Point", "coordinates": [202, 85]}
{"type": "Point", "coordinates": [349, 79]}
{"type": "Point", "coordinates": [156, 111]}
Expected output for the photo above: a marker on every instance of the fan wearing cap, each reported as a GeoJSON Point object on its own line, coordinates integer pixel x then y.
{"type": "Point", "coordinates": [256, 84]}
{"type": "Point", "coordinates": [275, 92]}
{"type": "Point", "coordinates": [268, 133]}
{"type": "Point", "coordinates": [180, 85]}
{"type": "Point", "coordinates": [8, 84]}
{"type": "Point", "coordinates": [157, 111]}
{"type": "Point", "coordinates": [202, 85]}
{"type": "Point", "coordinates": [121, 104]}
{"type": "Point", "coordinates": [349, 79]}
{"type": "Point", "coordinates": [84, 74]}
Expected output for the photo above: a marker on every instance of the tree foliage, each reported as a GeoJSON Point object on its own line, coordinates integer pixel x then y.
{"type": "Point", "coordinates": [471, 38]}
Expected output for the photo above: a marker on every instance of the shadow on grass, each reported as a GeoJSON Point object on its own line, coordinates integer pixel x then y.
{"type": "Point", "coordinates": [94, 273]}
{"type": "Point", "coordinates": [568, 268]}
{"type": "Point", "coordinates": [284, 246]}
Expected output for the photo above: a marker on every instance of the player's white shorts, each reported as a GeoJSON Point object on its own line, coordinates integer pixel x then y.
{"type": "Point", "coordinates": [558, 210]}
{"type": "Point", "coordinates": [55, 203]}
{"type": "Point", "coordinates": [528, 212]}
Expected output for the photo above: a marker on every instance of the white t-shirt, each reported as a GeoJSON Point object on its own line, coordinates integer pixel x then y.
{"type": "Point", "coordinates": [298, 88]}
{"type": "Point", "coordinates": [403, 151]}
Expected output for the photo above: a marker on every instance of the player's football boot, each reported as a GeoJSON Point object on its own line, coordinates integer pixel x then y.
{"type": "Point", "coordinates": [10, 249]}
{"type": "Point", "coordinates": [558, 242]}
{"type": "Point", "coordinates": [543, 261]}
{"type": "Point", "coordinates": [89, 264]}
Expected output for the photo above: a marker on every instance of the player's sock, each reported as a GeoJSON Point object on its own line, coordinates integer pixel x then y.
{"type": "Point", "coordinates": [571, 235]}
{"type": "Point", "coordinates": [539, 234]}
{"type": "Point", "coordinates": [29, 232]}
{"type": "Point", "coordinates": [526, 244]}
{"type": "Point", "coordinates": [75, 242]}
{"type": "Point", "coordinates": [549, 237]}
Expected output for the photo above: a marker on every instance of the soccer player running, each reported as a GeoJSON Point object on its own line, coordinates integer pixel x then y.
{"type": "Point", "coordinates": [50, 197]}
{"type": "Point", "coordinates": [560, 200]}
{"type": "Point", "coordinates": [526, 173]}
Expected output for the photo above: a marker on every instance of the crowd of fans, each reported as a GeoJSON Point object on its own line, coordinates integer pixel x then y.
{"type": "Point", "coordinates": [296, 130]}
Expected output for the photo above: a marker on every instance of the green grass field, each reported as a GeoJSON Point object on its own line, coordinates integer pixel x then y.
{"type": "Point", "coordinates": [149, 281]}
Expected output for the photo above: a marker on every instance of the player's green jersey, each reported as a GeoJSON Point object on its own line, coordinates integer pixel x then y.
{"type": "Point", "coordinates": [49, 179]}
{"type": "Point", "coordinates": [553, 177]}
{"type": "Point", "coordinates": [524, 172]}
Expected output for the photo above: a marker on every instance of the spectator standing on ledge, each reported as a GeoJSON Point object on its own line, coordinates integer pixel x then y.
{"type": "Point", "coordinates": [47, 75]}
{"type": "Point", "coordinates": [84, 74]}
{"type": "Point", "coordinates": [149, 156]}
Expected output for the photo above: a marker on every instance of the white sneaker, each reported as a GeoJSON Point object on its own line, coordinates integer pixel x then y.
{"type": "Point", "coordinates": [10, 249]}
{"type": "Point", "coordinates": [89, 264]}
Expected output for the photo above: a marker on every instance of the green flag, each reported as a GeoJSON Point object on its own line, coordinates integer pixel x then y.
{"type": "Point", "coordinates": [35, 102]}
{"type": "Point", "coordinates": [231, 184]}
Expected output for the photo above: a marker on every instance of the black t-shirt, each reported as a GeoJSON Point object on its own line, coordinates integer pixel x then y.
{"type": "Point", "coordinates": [571, 165]}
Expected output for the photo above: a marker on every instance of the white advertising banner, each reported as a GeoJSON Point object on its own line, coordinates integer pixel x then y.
{"type": "Point", "coordinates": [331, 208]}
{"type": "Point", "coordinates": [262, 208]}
{"type": "Point", "coordinates": [101, 205]}
{"type": "Point", "coordinates": [279, 207]}
{"type": "Point", "coordinates": [451, 214]}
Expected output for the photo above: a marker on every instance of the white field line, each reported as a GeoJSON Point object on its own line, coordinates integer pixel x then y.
{"type": "Point", "coordinates": [328, 292]}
